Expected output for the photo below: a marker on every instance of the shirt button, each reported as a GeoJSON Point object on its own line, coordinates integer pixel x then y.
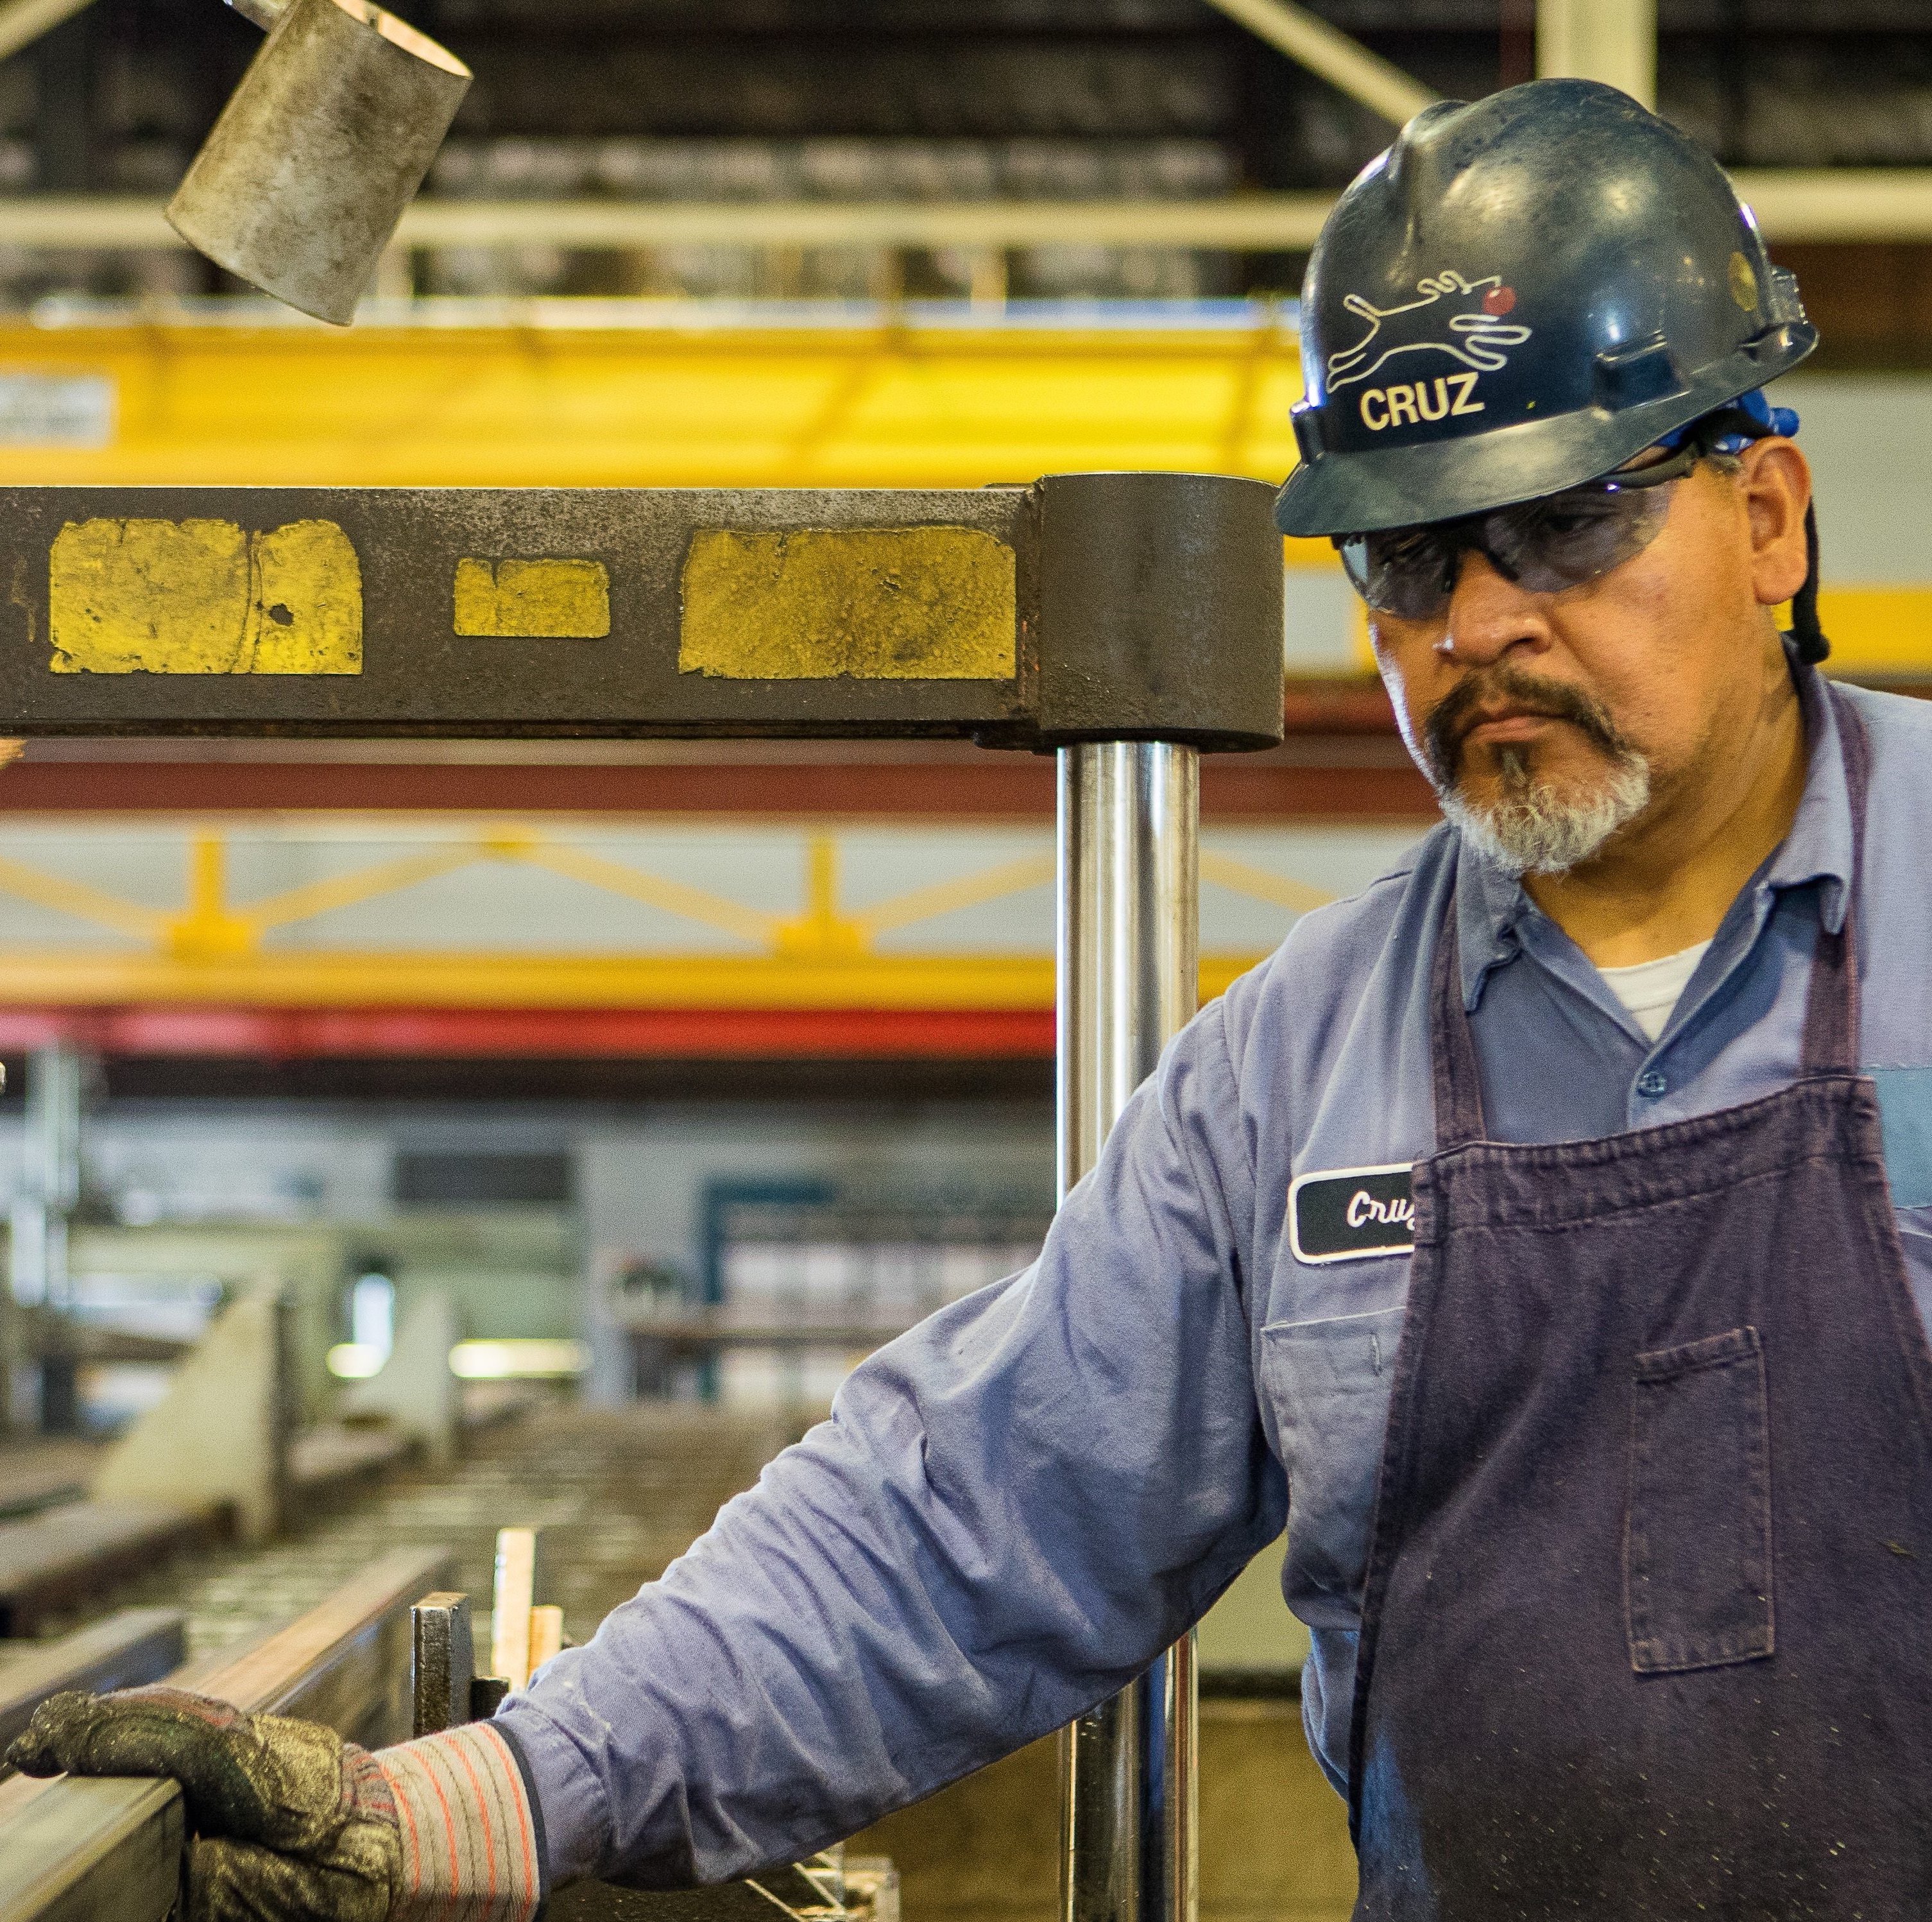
{"type": "Point", "coordinates": [1650, 1084]}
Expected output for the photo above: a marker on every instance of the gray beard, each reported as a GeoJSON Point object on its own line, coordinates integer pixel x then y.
{"type": "Point", "coordinates": [1531, 829]}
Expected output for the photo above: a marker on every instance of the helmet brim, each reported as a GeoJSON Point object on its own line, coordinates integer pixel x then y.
{"type": "Point", "coordinates": [1361, 493]}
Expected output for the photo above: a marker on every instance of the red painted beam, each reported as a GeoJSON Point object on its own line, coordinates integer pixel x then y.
{"type": "Point", "coordinates": [1341, 760]}
{"type": "Point", "coordinates": [537, 1034]}
{"type": "Point", "coordinates": [1007, 787]}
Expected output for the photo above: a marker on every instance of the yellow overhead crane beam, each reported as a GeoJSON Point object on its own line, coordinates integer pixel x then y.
{"type": "Point", "coordinates": [668, 398]}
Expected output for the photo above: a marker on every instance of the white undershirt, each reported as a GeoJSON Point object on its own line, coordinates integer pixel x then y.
{"type": "Point", "coordinates": [1650, 989]}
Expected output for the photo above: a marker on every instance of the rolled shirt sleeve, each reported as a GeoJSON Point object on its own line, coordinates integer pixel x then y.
{"type": "Point", "coordinates": [1011, 1511]}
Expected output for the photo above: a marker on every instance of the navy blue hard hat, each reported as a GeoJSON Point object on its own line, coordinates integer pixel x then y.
{"type": "Point", "coordinates": [1517, 296]}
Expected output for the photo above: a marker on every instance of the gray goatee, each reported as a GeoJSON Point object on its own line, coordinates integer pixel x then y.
{"type": "Point", "coordinates": [1532, 827]}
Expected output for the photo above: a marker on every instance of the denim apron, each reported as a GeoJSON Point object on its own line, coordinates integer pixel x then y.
{"type": "Point", "coordinates": [1647, 1628]}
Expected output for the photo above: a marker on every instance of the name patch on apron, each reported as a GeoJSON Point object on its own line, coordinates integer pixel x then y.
{"type": "Point", "coordinates": [1350, 1213]}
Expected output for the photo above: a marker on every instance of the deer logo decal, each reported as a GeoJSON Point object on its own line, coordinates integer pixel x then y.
{"type": "Point", "coordinates": [1461, 318]}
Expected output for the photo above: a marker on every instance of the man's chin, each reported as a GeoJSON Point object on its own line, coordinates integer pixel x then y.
{"type": "Point", "coordinates": [1528, 826]}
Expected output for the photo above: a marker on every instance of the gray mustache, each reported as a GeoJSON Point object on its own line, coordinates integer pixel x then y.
{"type": "Point", "coordinates": [1450, 720]}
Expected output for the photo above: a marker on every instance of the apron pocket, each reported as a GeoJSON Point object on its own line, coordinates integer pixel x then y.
{"type": "Point", "coordinates": [1697, 1548]}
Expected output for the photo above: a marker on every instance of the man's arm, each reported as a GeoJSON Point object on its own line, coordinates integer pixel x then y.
{"type": "Point", "coordinates": [1013, 1509]}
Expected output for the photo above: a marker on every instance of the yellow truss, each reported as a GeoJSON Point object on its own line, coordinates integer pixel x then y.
{"type": "Point", "coordinates": [211, 950]}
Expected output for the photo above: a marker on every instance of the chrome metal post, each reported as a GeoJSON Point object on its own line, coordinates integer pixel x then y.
{"type": "Point", "coordinates": [1128, 954]}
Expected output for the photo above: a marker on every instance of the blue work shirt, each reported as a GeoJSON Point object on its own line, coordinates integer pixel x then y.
{"type": "Point", "coordinates": [1015, 1506]}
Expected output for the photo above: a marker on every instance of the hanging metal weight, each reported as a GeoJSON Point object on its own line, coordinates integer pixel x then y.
{"type": "Point", "coordinates": [322, 145]}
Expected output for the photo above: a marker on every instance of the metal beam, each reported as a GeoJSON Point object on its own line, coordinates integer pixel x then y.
{"type": "Point", "coordinates": [1612, 41]}
{"type": "Point", "coordinates": [1085, 606]}
{"type": "Point", "coordinates": [22, 22]}
{"type": "Point", "coordinates": [1326, 51]}
{"type": "Point", "coordinates": [1256, 222]}
{"type": "Point", "coordinates": [1839, 203]}
{"type": "Point", "coordinates": [1793, 204]}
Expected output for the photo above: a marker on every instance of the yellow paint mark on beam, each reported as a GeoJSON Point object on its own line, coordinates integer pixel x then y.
{"type": "Point", "coordinates": [139, 596]}
{"type": "Point", "coordinates": [555, 600]}
{"type": "Point", "coordinates": [875, 603]}
{"type": "Point", "coordinates": [305, 606]}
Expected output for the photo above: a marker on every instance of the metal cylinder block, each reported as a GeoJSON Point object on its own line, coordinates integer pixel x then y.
{"type": "Point", "coordinates": [313, 160]}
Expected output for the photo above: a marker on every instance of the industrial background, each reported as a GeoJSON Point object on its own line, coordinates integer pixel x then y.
{"type": "Point", "coordinates": [651, 1084]}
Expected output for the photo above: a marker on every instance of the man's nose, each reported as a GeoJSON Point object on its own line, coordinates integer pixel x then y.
{"type": "Point", "coordinates": [1489, 614]}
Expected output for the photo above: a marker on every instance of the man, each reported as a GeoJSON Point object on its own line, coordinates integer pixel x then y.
{"type": "Point", "coordinates": [1520, 1234]}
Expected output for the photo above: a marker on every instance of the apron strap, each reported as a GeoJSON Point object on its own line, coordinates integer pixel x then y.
{"type": "Point", "coordinates": [1831, 1009]}
{"type": "Point", "coordinates": [1458, 1079]}
{"type": "Point", "coordinates": [1830, 1044]}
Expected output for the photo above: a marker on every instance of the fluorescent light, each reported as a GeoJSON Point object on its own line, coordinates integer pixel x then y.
{"type": "Point", "coordinates": [356, 1360]}
{"type": "Point", "coordinates": [502, 1361]}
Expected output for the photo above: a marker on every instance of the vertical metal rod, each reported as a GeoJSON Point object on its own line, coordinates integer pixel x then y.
{"type": "Point", "coordinates": [1128, 953]}
{"type": "Point", "coordinates": [37, 1274]}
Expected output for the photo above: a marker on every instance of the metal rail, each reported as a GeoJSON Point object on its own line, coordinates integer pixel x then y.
{"type": "Point", "coordinates": [78, 1851]}
{"type": "Point", "coordinates": [134, 1646]}
{"type": "Point", "coordinates": [1846, 203]}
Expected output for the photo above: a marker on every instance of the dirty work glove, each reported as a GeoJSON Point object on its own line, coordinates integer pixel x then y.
{"type": "Point", "coordinates": [294, 1825]}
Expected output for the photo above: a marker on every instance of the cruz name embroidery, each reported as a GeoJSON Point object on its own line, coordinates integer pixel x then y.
{"type": "Point", "coordinates": [1351, 1214]}
{"type": "Point", "coordinates": [1405, 403]}
{"type": "Point", "coordinates": [1364, 1209]}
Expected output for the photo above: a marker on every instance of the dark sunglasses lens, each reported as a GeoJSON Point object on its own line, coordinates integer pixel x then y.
{"type": "Point", "coordinates": [1546, 546]}
{"type": "Point", "coordinates": [1406, 572]}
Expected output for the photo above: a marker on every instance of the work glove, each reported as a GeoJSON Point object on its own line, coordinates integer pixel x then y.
{"type": "Point", "coordinates": [294, 1825]}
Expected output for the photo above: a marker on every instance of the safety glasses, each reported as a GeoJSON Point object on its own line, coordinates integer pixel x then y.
{"type": "Point", "coordinates": [1561, 541]}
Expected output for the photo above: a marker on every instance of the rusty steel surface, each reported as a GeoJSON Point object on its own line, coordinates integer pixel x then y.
{"type": "Point", "coordinates": [442, 1662]}
{"type": "Point", "coordinates": [1082, 607]}
{"type": "Point", "coordinates": [79, 1851]}
{"type": "Point", "coordinates": [134, 1646]}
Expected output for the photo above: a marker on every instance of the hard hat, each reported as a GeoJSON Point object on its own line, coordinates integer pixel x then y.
{"type": "Point", "coordinates": [1519, 295]}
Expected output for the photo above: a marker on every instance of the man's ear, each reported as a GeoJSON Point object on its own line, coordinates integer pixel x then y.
{"type": "Point", "coordinates": [1775, 480]}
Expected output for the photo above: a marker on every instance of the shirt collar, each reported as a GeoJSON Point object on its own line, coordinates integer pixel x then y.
{"type": "Point", "coordinates": [1490, 903]}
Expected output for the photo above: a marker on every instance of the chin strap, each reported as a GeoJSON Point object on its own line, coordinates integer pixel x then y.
{"type": "Point", "coordinates": [1807, 636]}
{"type": "Point", "coordinates": [1730, 430]}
